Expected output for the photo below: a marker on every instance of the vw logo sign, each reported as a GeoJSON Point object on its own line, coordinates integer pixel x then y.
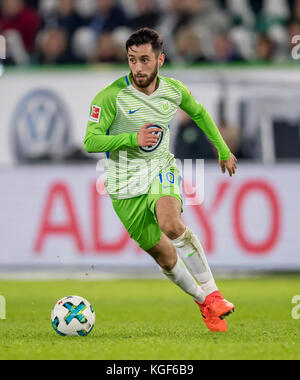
{"type": "Point", "coordinates": [152, 148]}
{"type": "Point", "coordinates": [41, 127]}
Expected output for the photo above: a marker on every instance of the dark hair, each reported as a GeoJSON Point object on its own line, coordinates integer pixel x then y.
{"type": "Point", "coordinates": [145, 36]}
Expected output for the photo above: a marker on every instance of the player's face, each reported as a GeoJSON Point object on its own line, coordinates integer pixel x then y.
{"type": "Point", "coordinates": [144, 64]}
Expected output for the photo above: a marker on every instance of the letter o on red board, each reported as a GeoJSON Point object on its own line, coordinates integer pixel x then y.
{"type": "Point", "coordinates": [270, 195]}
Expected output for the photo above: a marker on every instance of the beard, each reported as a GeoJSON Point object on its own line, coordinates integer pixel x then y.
{"type": "Point", "coordinates": [147, 80]}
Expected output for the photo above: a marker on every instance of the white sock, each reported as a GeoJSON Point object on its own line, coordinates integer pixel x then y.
{"type": "Point", "coordinates": [182, 277]}
{"type": "Point", "coordinates": [190, 250]}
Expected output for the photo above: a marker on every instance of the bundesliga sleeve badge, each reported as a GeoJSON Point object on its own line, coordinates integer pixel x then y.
{"type": "Point", "coordinates": [95, 114]}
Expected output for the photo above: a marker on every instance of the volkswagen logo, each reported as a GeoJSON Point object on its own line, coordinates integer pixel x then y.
{"type": "Point", "coordinates": [41, 127]}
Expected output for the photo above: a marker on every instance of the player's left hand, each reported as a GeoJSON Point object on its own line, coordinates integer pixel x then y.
{"type": "Point", "coordinates": [229, 164]}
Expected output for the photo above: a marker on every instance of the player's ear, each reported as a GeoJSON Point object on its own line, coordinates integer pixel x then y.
{"type": "Point", "coordinates": [161, 59]}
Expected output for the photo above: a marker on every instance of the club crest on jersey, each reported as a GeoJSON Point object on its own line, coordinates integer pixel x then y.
{"type": "Point", "coordinates": [152, 148]}
{"type": "Point", "coordinates": [95, 114]}
{"type": "Point", "coordinates": [165, 107]}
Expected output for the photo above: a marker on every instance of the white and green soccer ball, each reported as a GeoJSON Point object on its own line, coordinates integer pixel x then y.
{"type": "Point", "coordinates": [73, 316]}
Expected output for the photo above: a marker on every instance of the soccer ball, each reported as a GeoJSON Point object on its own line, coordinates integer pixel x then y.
{"type": "Point", "coordinates": [73, 316]}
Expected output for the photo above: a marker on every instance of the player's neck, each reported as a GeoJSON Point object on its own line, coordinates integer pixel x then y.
{"type": "Point", "coordinates": [153, 86]}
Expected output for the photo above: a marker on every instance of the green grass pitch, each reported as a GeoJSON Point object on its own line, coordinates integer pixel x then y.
{"type": "Point", "coordinates": [152, 319]}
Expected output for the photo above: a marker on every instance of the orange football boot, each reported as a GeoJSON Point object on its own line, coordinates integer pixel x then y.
{"type": "Point", "coordinates": [212, 322]}
{"type": "Point", "coordinates": [218, 305]}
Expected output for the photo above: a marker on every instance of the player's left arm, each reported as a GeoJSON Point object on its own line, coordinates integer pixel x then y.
{"type": "Point", "coordinates": [202, 118]}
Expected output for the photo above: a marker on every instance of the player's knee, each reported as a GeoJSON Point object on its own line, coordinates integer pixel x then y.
{"type": "Point", "coordinates": [172, 228]}
{"type": "Point", "coordinates": [167, 263]}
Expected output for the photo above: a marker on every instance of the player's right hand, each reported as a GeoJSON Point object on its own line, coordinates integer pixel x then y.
{"type": "Point", "coordinates": [146, 136]}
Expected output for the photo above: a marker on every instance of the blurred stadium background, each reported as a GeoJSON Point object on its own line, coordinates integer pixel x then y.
{"type": "Point", "coordinates": [234, 55]}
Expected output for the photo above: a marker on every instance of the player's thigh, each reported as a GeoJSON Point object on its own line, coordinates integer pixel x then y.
{"type": "Point", "coordinates": [168, 214]}
{"type": "Point", "coordinates": [165, 202]}
{"type": "Point", "coordinates": [167, 207]}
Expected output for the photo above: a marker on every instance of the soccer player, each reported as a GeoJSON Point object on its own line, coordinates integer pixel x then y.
{"type": "Point", "coordinates": [129, 120]}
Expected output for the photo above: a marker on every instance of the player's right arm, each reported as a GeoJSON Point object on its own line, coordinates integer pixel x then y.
{"type": "Point", "coordinates": [102, 115]}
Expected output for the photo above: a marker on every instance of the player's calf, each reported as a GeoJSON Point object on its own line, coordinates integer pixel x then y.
{"type": "Point", "coordinates": [164, 253]}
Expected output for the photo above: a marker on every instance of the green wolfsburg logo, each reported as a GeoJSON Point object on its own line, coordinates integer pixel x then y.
{"type": "Point", "coordinates": [165, 107]}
